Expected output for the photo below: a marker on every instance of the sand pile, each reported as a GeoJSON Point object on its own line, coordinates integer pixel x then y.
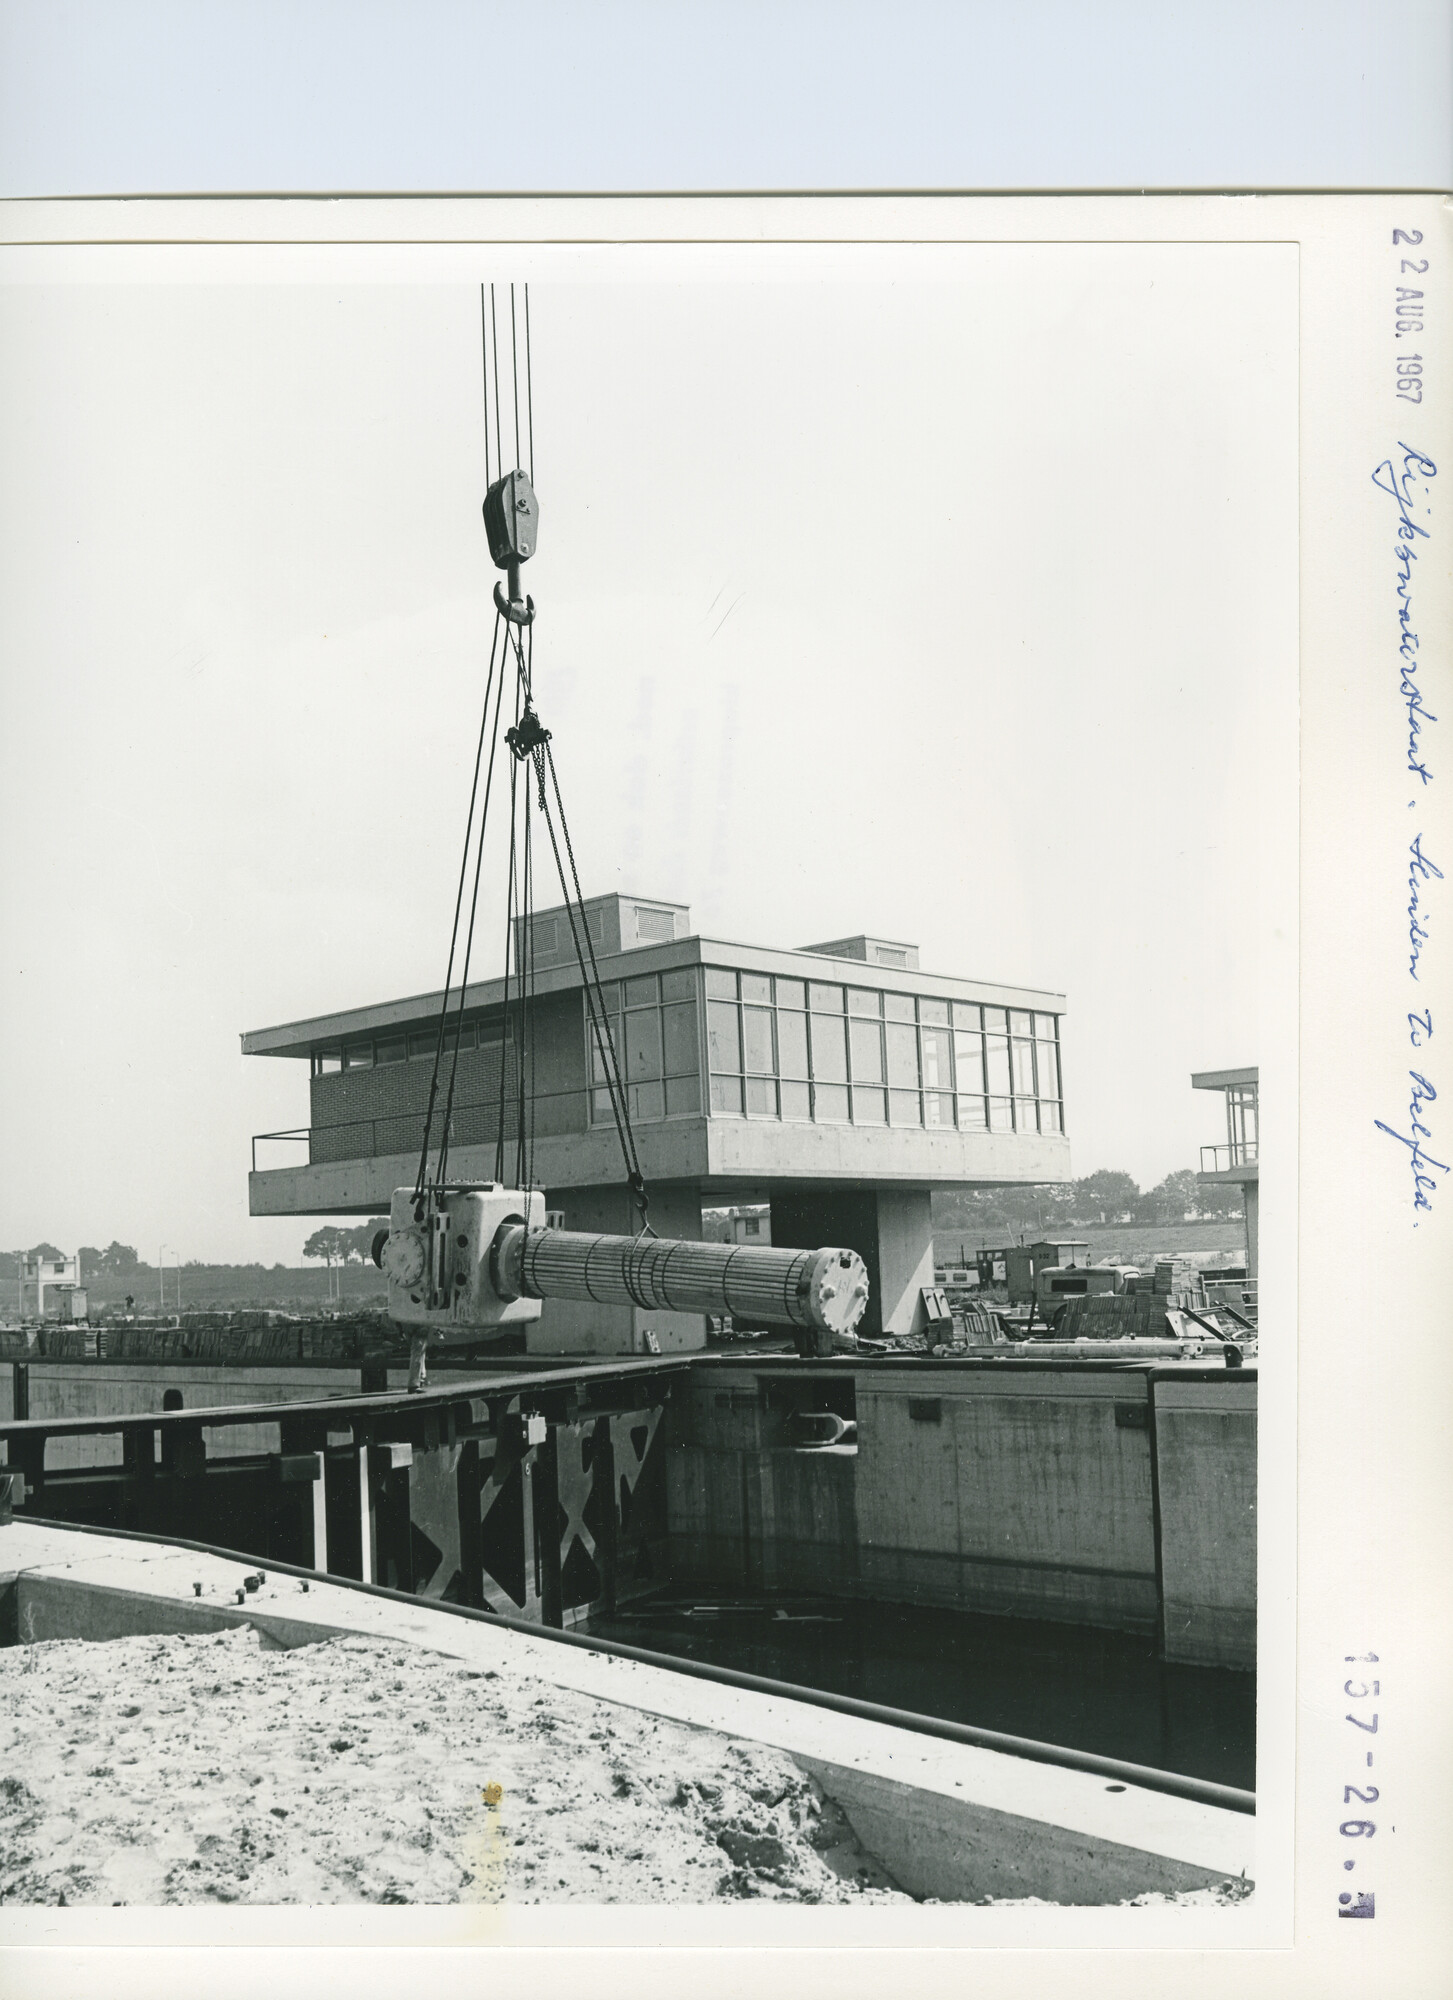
{"type": "Point", "coordinates": [213, 1769]}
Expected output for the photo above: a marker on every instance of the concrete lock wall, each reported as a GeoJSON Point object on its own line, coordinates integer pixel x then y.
{"type": "Point", "coordinates": [1021, 1494]}
{"type": "Point", "coordinates": [1207, 1464]}
{"type": "Point", "coordinates": [116, 1389]}
{"type": "Point", "coordinates": [1029, 1495]}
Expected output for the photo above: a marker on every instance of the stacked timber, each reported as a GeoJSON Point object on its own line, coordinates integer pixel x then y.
{"type": "Point", "coordinates": [244, 1338]}
{"type": "Point", "coordinates": [1138, 1315]}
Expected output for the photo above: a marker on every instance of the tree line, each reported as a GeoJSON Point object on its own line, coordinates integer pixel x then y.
{"type": "Point", "coordinates": [121, 1260]}
{"type": "Point", "coordinates": [1106, 1197]}
{"type": "Point", "coordinates": [344, 1246]}
{"type": "Point", "coordinates": [117, 1260]}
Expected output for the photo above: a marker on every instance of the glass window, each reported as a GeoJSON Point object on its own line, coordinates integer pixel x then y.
{"type": "Point", "coordinates": [641, 992]}
{"type": "Point", "coordinates": [792, 1045]}
{"type": "Point", "coordinates": [996, 1021]}
{"type": "Point", "coordinates": [1026, 1118]}
{"type": "Point", "coordinates": [864, 1000]}
{"type": "Point", "coordinates": [678, 985]}
{"type": "Point", "coordinates": [422, 1045]}
{"type": "Point", "coordinates": [643, 1046]}
{"type": "Point", "coordinates": [796, 1100]}
{"type": "Point", "coordinates": [969, 1060]}
{"type": "Point", "coordinates": [830, 1103]}
{"type": "Point", "coordinates": [600, 1058]}
{"type": "Point", "coordinates": [761, 1097]}
{"type": "Point", "coordinates": [829, 1049]}
{"type": "Point", "coordinates": [937, 1074]}
{"type": "Point", "coordinates": [825, 999]}
{"type": "Point", "coordinates": [600, 1106]}
{"type": "Point", "coordinates": [867, 1047]}
{"type": "Point", "coordinates": [722, 1036]}
{"type": "Point", "coordinates": [898, 1006]}
{"type": "Point", "coordinates": [1023, 1057]}
{"type": "Point", "coordinates": [1049, 1117]}
{"type": "Point", "coordinates": [359, 1058]}
{"type": "Point", "coordinates": [1001, 1115]}
{"type": "Point", "coordinates": [938, 1109]}
{"type": "Point", "coordinates": [757, 1040]}
{"type": "Point", "coordinates": [1019, 1023]}
{"type": "Point", "coordinates": [327, 1061]}
{"type": "Point", "coordinates": [868, 1107]}
{"type": "Point", "coordinates": [972, 1117]}
{"type": "Point", "coordinates": [968, 1015]}
{"type": "Point", "coordinates": [679, 1040]}
{"type": "Point", "coordinates": [720, 985]}
{"type": "Point", "coordinates": [467, 1033]}
{"type": "Point", "coordinates": [1046, 1056]}
{"type": "Point", "coordinates": [792, 993]}
{"type": "Point", "coordinates": [647, 1102]}
{"type": "Point", "coordinates": [391, 1052]}
{"type": "Point", "coordinates": [610, 998]}
{"type": "Point", "coordinates": [903, 1056]}
{"type": "Point", "coordinates": [757, 988]}
{"type": "Point", "coordinates": [996, 1061]}
{"type": "Point", "coordinates": [933, 1012]}
{"type": "Point", "coordinates": [604, 1030]}
{"type": "Point", "coordinates": [683, 1093]}
{"type": "Point", "coordinates": [1044, 1027]}
{"type": "Point", "coordinates": [904, 1107]}
{"type": "Point", "coordinates": [726, 1093]}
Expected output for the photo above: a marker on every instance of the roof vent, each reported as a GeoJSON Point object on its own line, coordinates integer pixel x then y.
{"type": "Point", "coordinates": [870, 950]}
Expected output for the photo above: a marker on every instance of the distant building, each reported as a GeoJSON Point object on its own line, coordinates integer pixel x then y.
{"type": "Point", "coordinates": [750, 1225]}
{"type": "Point", "coordinates": [43, 1274]}
{"type": "Point", "coordinates": [834, 1083]}
{"type": "Point", "coordinates": [1235, 1161]}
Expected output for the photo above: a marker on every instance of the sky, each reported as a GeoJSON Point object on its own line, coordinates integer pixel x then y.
{"type": "Point", "coordinates": [930, 594]}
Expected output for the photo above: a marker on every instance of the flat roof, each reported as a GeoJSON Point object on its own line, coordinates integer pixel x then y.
{"type": "Point", "coordinates": [1222, 1079]}
{"type": "Point", "coordinates": [299, 1038]}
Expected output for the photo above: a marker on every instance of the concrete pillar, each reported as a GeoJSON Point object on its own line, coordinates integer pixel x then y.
{"type": "Point", "coordinates": [890, 1228]}
{"type": "Point", "coordinates": [569, 1326]}
{"type": "Point", "coordinates": [1250, 1202]}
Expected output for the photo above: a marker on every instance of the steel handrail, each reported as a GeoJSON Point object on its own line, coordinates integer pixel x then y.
{"type": "Point", "coordinates": [297, 1132]}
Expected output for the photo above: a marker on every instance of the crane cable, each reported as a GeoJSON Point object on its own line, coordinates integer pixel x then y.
{"type": "Point", "coordinates": [529, 742]}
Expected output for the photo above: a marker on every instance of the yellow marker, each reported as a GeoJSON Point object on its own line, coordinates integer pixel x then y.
{"type": "Point", "coordinates": [492, 1794]}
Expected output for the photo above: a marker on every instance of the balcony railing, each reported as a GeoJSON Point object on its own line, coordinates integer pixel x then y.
{"type": "Point", "coordinates": [299, 1136]}
{"type": "Point", "coordinates": [1217, 1159]}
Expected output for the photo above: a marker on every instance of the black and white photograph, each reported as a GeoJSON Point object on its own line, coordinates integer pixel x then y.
{"type": "Point", "coordinates": [650, 875]}
{"type": "Point", "coordinates": [731, 847]}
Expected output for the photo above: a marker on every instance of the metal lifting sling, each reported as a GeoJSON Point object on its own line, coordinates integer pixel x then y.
{"type": "Point", "coordinates": [512, 518]}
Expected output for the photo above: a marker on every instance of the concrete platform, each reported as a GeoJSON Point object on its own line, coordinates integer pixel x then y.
{"type": "Point", "coordinates": [946, 1820]}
